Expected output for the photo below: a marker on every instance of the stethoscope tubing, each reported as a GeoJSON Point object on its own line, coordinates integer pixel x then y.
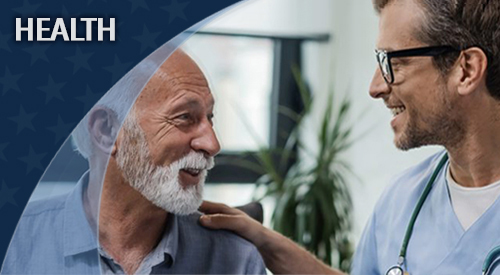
{"type": "Point", "coordinates": [490, 260]}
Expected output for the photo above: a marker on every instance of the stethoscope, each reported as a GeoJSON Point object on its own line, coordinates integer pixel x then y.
{"type": "Point", "coordinates": [492, 259]}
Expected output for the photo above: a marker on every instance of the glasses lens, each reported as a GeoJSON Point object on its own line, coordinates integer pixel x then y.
{"type": "Point", "coordinates": [383, 62]}
{"type": "Point", "coordinates": [395, 270]}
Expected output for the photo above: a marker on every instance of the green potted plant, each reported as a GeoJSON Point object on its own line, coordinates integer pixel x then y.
{"type": "Point", "coordinates": [313, 203]}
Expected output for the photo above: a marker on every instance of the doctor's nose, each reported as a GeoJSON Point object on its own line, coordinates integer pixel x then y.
{"type": "Point", "coordinates": [378, 87]}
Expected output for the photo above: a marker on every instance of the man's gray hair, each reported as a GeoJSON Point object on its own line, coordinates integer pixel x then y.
{"type": "Point", "coordinates": [121, 97]}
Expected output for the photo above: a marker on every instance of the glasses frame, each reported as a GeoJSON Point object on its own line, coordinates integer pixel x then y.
{"type": "Point", "coordinates": [383, 55]}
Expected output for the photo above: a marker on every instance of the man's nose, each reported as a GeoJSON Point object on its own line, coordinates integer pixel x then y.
{"type": "Point", "coordinates": [378, 86]}
{"type": "Point", "coordinates": [206, 141]}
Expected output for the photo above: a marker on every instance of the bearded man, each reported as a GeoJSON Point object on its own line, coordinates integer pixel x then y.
{"type": "Point", "coordinates": [148, 190]}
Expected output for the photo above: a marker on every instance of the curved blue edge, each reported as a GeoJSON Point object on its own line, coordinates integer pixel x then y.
{"type": "Point", "coordinates": [48, 87]}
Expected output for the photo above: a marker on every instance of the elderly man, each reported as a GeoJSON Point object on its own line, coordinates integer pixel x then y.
{"type": "Point", "coordinates": [439, 74]}
{"type": "Point", "coordinates": [148, 190]}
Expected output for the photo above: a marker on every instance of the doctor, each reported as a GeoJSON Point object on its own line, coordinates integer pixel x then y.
{"type": "Point", "coordinates": [439, 74]}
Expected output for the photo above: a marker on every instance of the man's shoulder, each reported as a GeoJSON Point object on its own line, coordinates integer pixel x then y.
{"type": "Point", "coordinates": [40, 220]}
{"type": "Point", "coordinates": [415, 175]}
{"type": "Point", "coordinates": [222, 251]}
{"type": "Point", "coordinates": [37, 238]}
{"type": "Point", "coordinates": [41, 217]}
{"type": "Point", "coordinates": [406, 187]}
{"type": "Point", "coordinates": [190, 224]}
{"type": "Point", "coordinates": [47, 206]}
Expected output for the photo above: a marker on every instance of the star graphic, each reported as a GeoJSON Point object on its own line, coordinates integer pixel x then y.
{"type": "Point", "coordinates": [138, 3]}
{"type": "Point", "coordinates": [37, 51]}
{"type": "Point", "coordinates": [89, 99]}
{"type": "Point", "coordinates": [175, 9]}
{"type": "Point", "coordinates": [3, 41]}
{"type": "Point", "coordinates": [9, 81]}
{"type": "Point", "coordinates": [62, 130]}
{"type": "Point", "coordinates": [27, 8]}
{"type": "Point", "coordinates": [33, 160]}
{"type": "Point", "coordinates": [80, 60]}
{"type": "Point", "coordinates": [2, 147]}
{"type": "Point", "coordinates": [52, 90]}
{"type": "Point", "coordinates": [7, 195]}
{"type": "Point", "coordinates": [23, 120]}
{"type": "Point", "coordinates": [118, 69]}
{"type": "Point", "coordinates": [147, 39]}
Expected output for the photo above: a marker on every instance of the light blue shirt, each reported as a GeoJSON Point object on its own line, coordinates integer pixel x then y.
{"type": "Point", "coordinates": [439, 245]}
{"type": "Point", "coordinates": [54, 237]}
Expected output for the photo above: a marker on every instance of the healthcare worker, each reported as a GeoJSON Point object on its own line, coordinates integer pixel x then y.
{"type": "Point", "coordinates": [439, 74]}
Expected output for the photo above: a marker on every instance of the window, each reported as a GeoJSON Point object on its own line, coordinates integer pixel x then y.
{"type": "Point", "coordinates": [251, 78]}
{"type": "Point", "coordinates": [239, 70]}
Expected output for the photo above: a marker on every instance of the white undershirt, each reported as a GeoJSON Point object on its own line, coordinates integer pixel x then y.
{"type": "Point", "coordinates": [470, 203]}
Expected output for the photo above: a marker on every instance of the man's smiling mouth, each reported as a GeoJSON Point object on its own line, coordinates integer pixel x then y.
{"type": "Point", "coordinates": [193, 172]}
{"type": "Point", "coordinates": [397, 110]}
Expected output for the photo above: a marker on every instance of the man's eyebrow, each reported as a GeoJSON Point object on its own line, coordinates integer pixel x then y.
{"type": "Point", "coordinates": [186, 103]}
{"type": "Point", "coordinates": [190, 103]}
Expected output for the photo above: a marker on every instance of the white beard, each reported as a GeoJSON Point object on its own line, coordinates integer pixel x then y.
{"type": "Point", "coordinates": [160, 185]}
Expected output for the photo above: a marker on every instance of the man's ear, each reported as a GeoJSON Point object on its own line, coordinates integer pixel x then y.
{"type": "Point", "coordinates": [472, 66]}
{"type": "Point", "coordinates": [103, 128]}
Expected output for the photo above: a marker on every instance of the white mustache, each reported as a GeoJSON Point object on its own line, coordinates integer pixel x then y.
{"type": "Point", "coordinates": [193, 160]}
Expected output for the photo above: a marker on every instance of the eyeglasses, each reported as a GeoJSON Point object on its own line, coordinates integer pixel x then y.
{"type": "Point", "coordinates": [384, 57]}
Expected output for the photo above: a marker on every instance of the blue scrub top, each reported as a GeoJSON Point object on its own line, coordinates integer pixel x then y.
{"type": "Point", "coordinates": [439, 245]}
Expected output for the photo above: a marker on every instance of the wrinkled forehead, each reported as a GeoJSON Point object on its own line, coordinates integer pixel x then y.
{"type": "Point", "coordinates": [177, 75]}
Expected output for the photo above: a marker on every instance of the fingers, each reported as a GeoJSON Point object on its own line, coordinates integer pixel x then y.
{"type": "Point", "coordinates": [221, 216]}
{"type": "Point", "coordinates": [221, 221]}
{"type": "Point", "coordinates": [240, 224]}
{"type": "Point", "coordinates": [209, 207]}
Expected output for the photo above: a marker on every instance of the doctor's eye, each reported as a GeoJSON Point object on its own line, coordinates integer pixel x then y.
{"type": "Point", "coordinates": [398, 62]}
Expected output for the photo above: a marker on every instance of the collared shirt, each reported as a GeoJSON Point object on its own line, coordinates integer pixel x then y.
{"type": "Point", "coordinates": [161, 258]}
{"type": "Point", "coordinates": [54, 237]}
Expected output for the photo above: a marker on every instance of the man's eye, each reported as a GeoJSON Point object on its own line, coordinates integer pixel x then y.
{"type": "Point", "coordinates": [396, 64]}
{"type": "Point", "coordinates": [210, 118]}
{"type": "Point", "coordinates": [184, 117]}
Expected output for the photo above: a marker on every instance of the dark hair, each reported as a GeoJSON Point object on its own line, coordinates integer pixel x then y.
{"type": "Point", "coordinates": [461, 24]}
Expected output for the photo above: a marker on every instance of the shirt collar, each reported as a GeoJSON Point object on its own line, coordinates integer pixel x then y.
{"type": "Point", "coordinates": [77, 234]}
{"type": "Point", "coordinates": [164, 253]}
{"type": "Point", "coordinates": [169, 242]}
{"type": "Point", "coordinates": [79, 237]}
{"type": "Point", "coordinates": [172, 237]}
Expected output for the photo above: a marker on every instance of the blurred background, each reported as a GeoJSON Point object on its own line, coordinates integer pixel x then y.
{"type": "Point", "coordinates": [260, 58]}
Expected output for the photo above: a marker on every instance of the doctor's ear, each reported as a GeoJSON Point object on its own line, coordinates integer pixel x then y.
{"type": "Point", "coordinates": [472, 70]}
{"type": "Point", "coordinates": [103, 128]}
